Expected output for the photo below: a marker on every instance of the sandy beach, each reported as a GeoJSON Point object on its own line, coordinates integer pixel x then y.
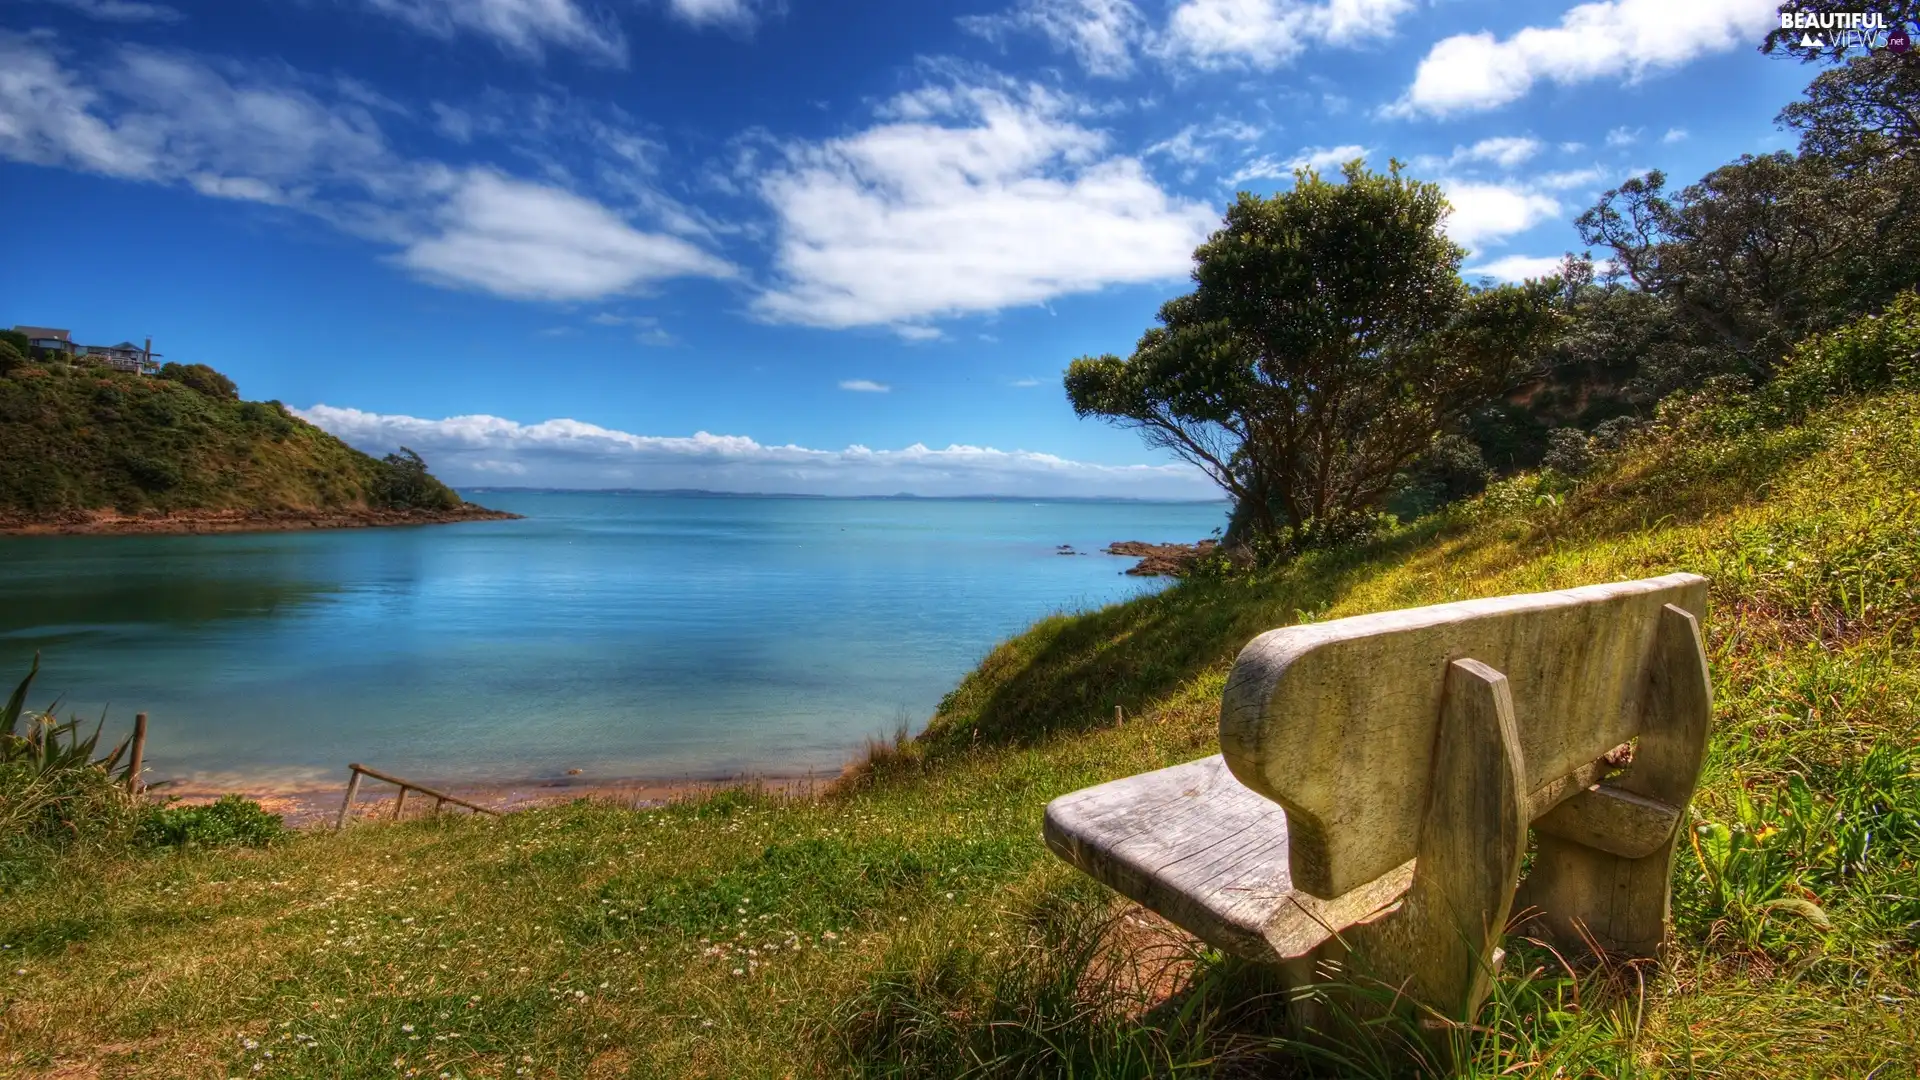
{"type": "Point", "coordinates": [317, 805]}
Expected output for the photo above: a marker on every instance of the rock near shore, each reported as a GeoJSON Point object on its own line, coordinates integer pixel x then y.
{"type": "Point", "coordinates": [1161, 560]}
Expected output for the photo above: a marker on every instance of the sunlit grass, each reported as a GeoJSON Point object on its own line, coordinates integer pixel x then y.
{"type": "Point", "coordinates": [913, 924]}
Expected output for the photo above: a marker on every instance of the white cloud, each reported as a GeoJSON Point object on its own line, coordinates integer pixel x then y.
{"type": "Point", "coordinates": [1516, 268]}
{"type": "Point", "coordinates": [1101, 34]}
{"type": "Point", "coordinates": [865, 386]}
{"type": "Point", "coordinates": [140, 114]}
{"type": "Point", "coordinates": [1487, 213]}
{"type": "Point", "coordinates": [1318, 158]}
{"type": "Point", "coordinates": [523, 27]}
{"type": "Point", "coordinates": [1569, 178]}
{"type": "Point", "coordinates": [1674, 135]}
{"type": "Point", "coordinates": [1025, 384]}
{"type": "Point", "coordinates": [468, 450]}
{"type": "Point", "coordinates": [1196, 145]}
{"type": "Point", "coordinates": [233, 133]}
{"type": "Point", "coordinates": [1623, 136]}
{"type": "Point", "coordinates": [733, 14]}
{"type": "Point", "coordinates": [1264, 34]}
{"type": "Point", "coordinates": [1626, 39]}
{"type": "Point", "coordinates": [965, 199]}
{"type": "Point", "coordinates": [1505, 151]}
{"type": "Point", "coordinates": [532, 241]}
{"type": "Point", "coordinates": [127, 11]}
{"type": "Point", "coordinates": [1106, 36]}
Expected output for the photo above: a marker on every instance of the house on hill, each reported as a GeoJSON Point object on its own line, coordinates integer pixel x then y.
{"type": "Point", "coordinates": [126, 356]}
{"type": "Point", "coordinates": [47, 338]}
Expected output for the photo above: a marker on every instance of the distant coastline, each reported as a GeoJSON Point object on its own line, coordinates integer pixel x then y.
{"type": "Point", "coordinates": [702, 493]}
{"type": "Point", "coordinates": [107, 522]}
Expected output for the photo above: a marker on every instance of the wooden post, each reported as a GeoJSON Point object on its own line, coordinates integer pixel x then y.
{"type": "Point", "coordinates": [1440, 948]}
{"type": "Point", "coordinates": [400, 803]}
{"type": "Point", "coordinates": [1619, 902]}
{"type": "Point", "coordinates": [346, 807]}
{"type": "Point", "coordinates": [139, 753]}
{"type": "Point", "coordinates": [437, 804]}
{"type": "Point", "coordinates": [1119, 717]}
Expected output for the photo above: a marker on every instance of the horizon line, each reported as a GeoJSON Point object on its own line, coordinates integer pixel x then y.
{"type": "Point", "coordinates": [901, 495]}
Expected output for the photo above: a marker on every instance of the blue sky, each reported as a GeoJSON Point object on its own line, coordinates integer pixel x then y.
{"type": "Point", "coordinates": [777, 245]}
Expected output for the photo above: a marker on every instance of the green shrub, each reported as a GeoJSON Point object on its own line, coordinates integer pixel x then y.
{"type": "Point", "coordinates": [1569, 452]}
{"type": "Point", "coordinates": [1454, 469]}
{"type": "Point", "coordinates": [1872, 354]}
{"type": "Point", "coordinates": [10, 358]}
{"type": "Point", "coordinates": [233, 821]}
{"type": "Point", "coordinates": [202, 380]}
{"type": "Point", "coordinates": [403, 483]}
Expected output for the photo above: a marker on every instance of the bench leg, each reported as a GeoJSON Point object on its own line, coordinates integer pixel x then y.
{"type": "Point", "coordinates": [1440, 948]}
{"type": "Point", "coordinates": [1587, 899]}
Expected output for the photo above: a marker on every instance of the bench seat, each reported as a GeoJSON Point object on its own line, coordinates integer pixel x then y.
{"type": "Point", "coordinates": [1210, 854]}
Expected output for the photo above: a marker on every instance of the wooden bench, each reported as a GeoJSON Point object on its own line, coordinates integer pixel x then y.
{"type": "Point", "coordinates": [1379, 776]}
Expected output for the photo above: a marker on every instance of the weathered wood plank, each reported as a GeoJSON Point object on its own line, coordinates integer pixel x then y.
{"type": "Point", "coordinates": [1189, 842]}
{"type": "Point", "coordinates": [1336, 720]}
{"type": "Point", "coordinates": [1614, 821]}
{"type": "Point", "coordinates": [1439, 948]}
{"type": "Point", "coordinates": [1194, 844]}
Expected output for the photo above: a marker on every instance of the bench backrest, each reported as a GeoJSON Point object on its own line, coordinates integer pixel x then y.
{"type": "Point", "coordinates": [1336, 721]}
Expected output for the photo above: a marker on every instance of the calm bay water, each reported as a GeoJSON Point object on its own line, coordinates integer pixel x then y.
{"type": "Point", "coordinates": [644, 636]}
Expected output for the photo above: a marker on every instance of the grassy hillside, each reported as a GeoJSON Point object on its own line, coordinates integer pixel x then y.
{"type": "Point", "coordinates": [84, 438]}
{"type": "Point", "coordinates": [913, 924]}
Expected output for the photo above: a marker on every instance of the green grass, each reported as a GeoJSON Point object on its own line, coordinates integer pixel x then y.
{"type": "Point", "coordinates": [912, 924]}
{"type": "Point", "coordinates": [85, 438]}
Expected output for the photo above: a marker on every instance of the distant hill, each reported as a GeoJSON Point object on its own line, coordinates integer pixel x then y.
{"type": "Point", "coordinates": [83, 447]}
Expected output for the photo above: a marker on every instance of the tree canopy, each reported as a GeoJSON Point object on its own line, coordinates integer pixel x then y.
{"type": "Point", "coordinates": [1328, 341]}
{"type": "Point", "coordinates": [1768, 249]}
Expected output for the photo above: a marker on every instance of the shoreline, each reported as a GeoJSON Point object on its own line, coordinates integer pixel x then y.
{"type": "Point", "coordinates": [113, 523]}
{"type": "Point", "coordinates": [316, 805]}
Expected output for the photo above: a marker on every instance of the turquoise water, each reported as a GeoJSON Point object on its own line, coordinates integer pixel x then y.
{"type": "Point", "coordinates": [627, 636]}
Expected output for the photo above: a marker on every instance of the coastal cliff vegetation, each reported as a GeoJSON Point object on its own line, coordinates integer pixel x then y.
{"type": "Point", "coordinates": [910, 923]}
{"type": "Point", "coordinates": [80, 442]}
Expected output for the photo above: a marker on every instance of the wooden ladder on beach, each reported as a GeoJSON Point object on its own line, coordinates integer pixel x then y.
{"type": "Point", "coordinates": [440, 798]}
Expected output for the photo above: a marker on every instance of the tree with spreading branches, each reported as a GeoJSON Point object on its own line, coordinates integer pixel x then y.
{"type": "Point", "coordinates": [1328, 341]}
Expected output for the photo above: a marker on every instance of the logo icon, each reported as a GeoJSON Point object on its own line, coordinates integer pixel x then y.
{"type": "Point", "coordinates": [1898, 41]}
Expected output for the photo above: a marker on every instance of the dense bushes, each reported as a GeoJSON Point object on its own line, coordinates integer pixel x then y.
{"type": "Point", "coordinates": [1872, 354]}
{"type": "Point", "coordinates": [232, 821]}
{"type": "Point", "coordinates": [202, 379]}
{"type": "Point", "coordinates": [403, 483]}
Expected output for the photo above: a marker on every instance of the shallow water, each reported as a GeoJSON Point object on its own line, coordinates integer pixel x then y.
{"type": "Point", "coordinates": [624, 635]}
